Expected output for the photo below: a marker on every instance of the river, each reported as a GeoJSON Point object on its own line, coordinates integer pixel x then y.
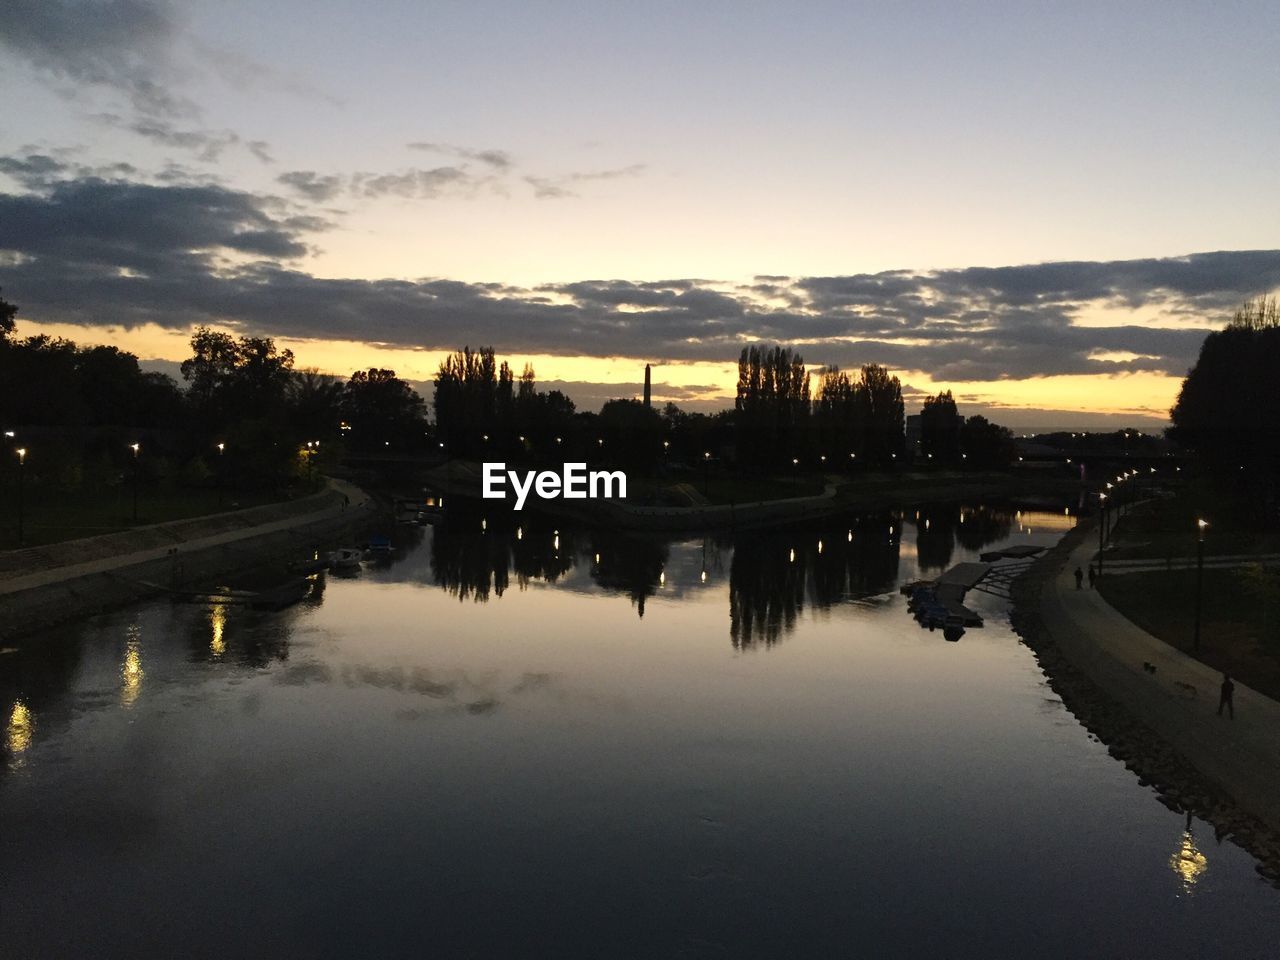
{"type": "Point", "coordinates": [523, 738]}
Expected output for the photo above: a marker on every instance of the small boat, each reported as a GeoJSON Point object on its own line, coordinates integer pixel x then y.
{"type": "Point", "coordinates": [346, 558]}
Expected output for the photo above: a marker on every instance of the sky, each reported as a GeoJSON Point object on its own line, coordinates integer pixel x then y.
{"type": "Point", "coordinates": [1042, 207]}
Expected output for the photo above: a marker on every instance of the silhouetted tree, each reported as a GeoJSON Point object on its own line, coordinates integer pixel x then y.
{"type": "Point", "coordinates": [632, 435]}
{"type": "Point", "coordinates": [839, 418]}
{"type": "Point", "coordinates": [8, 319]}
{"type": "Point", "coordinates": [315, 404]}
{"type": "Point", "coordinates": [1228, 410]}
{"type": "Point", "coordinates": [382, 410]}
{"type": "Point", "coordinates": [986, 444]}
{"type": "Point", "coordinates": [880, 395]}
{"type": "Point", "coordinates": [940, 429]}
{"type": "Point", "coordinates": [772, 406]}
{"type": "Point", "coordinates": [231, 379]}
{"type": "Point", "coordinates": [474, 399]}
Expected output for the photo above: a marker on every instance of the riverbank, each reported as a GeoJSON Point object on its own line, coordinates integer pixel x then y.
{"type": "Point", "coordinates": [840, 494]}
{"type": "Point", "coordinates": [44, 586]}
{"type": "Point", "coordinates": [1162, 725]}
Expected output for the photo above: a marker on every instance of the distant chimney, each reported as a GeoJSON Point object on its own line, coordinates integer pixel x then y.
{"type": "Point", "coordinates": [648, 392]}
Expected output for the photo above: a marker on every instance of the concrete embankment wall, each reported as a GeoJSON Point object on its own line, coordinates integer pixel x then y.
{"type": "Point", "coordinates": [190, 564]}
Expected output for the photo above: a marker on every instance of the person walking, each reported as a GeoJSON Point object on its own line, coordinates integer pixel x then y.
{"type": "Point", "coordinates": [1224, 699]}
{"type": "Point", "coordinates": [1079, 578]}
{"type": "Point", "coordinates": [1092, 576]}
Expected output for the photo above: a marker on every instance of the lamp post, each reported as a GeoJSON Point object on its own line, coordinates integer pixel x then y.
{"type": "Point", "coordinates": [1200, 525]}
{"type": "Point", "coordinates": [22, 469]}
{"type": "Point", "coordinates": [221, 472]}
{"type": "Point", "coordinates": [1102, 521]}
{"type": "Point", "coordinates": [1106, 518]}
{"type": "Point", "coordinates": [706, 474]}
{"type": "Point", "coordinates": [135, 447]}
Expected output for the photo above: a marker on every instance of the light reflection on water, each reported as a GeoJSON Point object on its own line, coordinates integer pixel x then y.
{"type": "Point", "coordinates": [543, 740]}
{"type": "Point", "coordinates": [131, 672]}
{"type": "Point", "coordinates": [1188, 862]}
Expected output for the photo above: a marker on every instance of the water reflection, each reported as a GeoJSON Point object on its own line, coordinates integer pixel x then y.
{"type": "Point", "coordinates": [633, 566]}
{"type": "Point", "coordinates": [978, 527]}
{"type": "Point", "coordinates": [775, 573]}
{"type": "Point", "coordinates": [774, 577]}
{"type": "Point", "coordinates": [131, 672]}
{"type": "Point", "coordinates": [217, 623]}
{"type": "Point", "coordinates": [18, 733]}
{"type": "Point", "coordinates": [1188, 862]}
{"type": "Point", "coordinates": [632, 768]}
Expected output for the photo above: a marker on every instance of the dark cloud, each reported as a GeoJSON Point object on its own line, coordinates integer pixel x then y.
{"type": "Point", "coordinates": [97, 229]}
{"type": "Point", "coordinates": [119, 44]}
{"type": "Point", "coordinates": [81, 247]}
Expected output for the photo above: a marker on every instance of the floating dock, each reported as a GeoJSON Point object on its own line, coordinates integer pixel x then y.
{"type": "Point", "coordinates": [946, 595]}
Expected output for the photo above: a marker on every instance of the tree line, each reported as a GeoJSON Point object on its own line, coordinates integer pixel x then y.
{"type": "Point", "coordinates": [779, 423]}
{"type": "Point", "coordinates": [247, 417]}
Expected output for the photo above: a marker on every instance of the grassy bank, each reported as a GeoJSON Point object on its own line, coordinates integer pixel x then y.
{"type": "Point", "coordinates": [1165, 528]}
{"type": "Point", "coordinates": [55, 516]}
{"type": "Point", "coordinates": [1238, 632]}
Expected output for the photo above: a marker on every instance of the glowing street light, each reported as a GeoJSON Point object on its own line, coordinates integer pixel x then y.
{"type": "Point", "coordinates": [222, 448]}
{"type": "Point", "coordinates": [22, 469]}
{"type": "Point", "coordinates": [1102, 523]}
{"type": "Point", "coordinates": [136, 448]}
{"type": "Point", "coordinates": [1201, 524]}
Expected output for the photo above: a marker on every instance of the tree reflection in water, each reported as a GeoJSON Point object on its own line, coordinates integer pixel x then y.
{"type": "Point", "coordinates": [630, 565]}
{"type": "Point", "coordinates": [473, 554]}
{"type": "Point", "coordinates": [775, 573]}
{"type": "Point", "coordinates": [981, 526]}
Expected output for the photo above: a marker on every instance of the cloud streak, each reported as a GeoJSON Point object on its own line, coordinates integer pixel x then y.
{"type": "Point", "coordinates": [561, 187]}
{"type": "Point", "coordinates": [497, 159]}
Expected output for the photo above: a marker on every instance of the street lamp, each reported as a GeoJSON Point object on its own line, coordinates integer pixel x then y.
{"type": "Point", "coordinates": [22, 469]}
{"type": "Point", "coordinates": [706, 473]}
{"type": "Point", "coordinates": [1200, 525]}
{"type": "Point", "coordinates": [1102, 520]}
{"type": "Point", "coordinates": [136, 448]}
{"type": "Point", "coordinates": [221, 472]}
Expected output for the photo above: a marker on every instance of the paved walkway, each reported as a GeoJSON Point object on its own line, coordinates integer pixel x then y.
{"type": "Point", "coordinates": [1179, 701]}
{"type": "Point", "coordinates": [58, 574]}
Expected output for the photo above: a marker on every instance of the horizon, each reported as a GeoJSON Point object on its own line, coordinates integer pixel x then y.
{"type": "Point", "coordinates": [591, 190]}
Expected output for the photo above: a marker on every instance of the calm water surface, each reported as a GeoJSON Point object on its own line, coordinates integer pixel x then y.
{"type": "Point", "coordinates": [541, 741]}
